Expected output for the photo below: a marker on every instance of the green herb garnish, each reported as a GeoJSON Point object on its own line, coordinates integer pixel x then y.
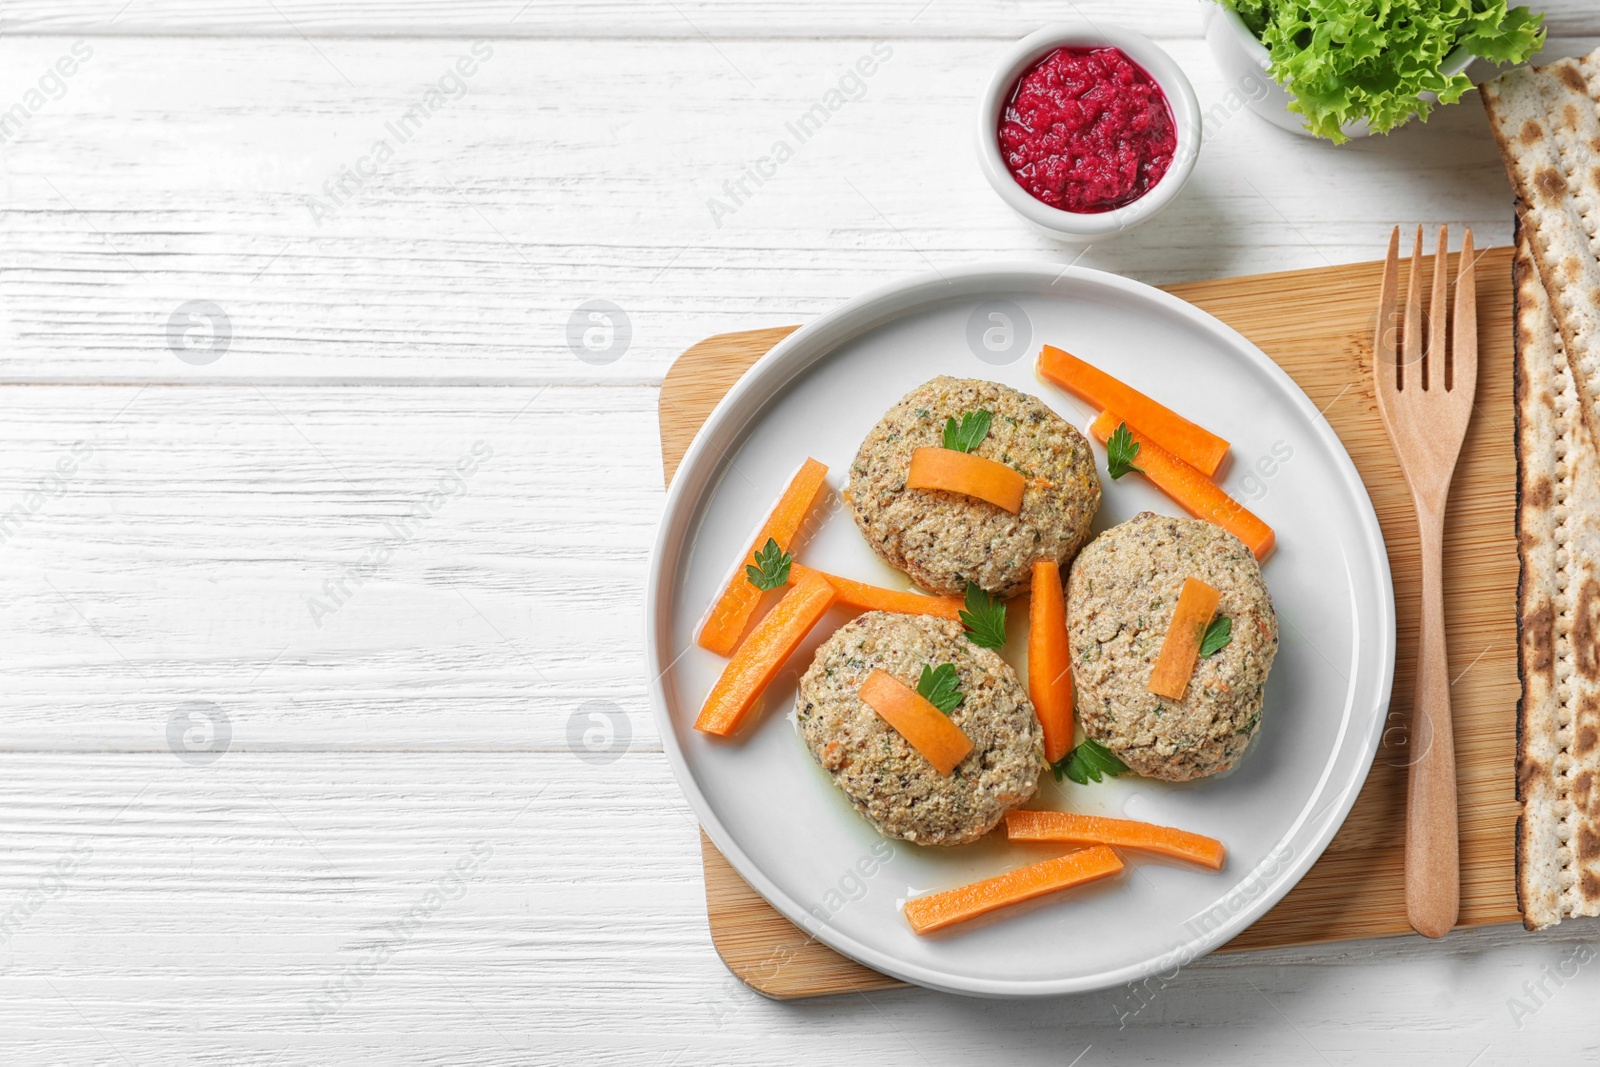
{"type": "Point", "coordinates": [1121, 451]}
{"type": "Point", "coordinates": [1218, 634]}
{"type": "Point", "coordinates": [941, 687]}
{"type": "Point", "coordinates": [1089, 760]}
{"type": "Point", "coordinates": [973, 429]}
{"type": "Point", "coordinates": [984, 618]}
{"type": "Point", "coordinates": [771, 568]}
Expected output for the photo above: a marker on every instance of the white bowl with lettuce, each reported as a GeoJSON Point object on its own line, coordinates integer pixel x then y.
{"type": "Point", "coordinates": [1338, 69]}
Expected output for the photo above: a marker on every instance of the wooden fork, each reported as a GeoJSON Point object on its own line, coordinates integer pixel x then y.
{"type": "Point", "coordinates": [1425, 398]}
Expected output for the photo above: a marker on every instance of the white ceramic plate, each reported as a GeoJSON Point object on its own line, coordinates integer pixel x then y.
{"type": "Point", "coordinates": [774, 813]}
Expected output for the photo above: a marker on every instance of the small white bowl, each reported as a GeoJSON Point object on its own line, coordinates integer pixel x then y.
{"type": "Point", "coordinates": [1244, 60]}
{"type": "Point", "coordinates": [1086, 226]}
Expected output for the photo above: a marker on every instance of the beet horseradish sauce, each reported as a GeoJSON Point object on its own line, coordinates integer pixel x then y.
{"type": "Point", "coordinates": [1087, 130]}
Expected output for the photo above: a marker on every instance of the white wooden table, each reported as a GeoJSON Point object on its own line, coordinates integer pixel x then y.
{"type": "Point", "coordinates": [300, 756]}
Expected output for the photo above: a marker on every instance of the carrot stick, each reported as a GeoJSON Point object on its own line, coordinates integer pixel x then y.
{"type": "Point", "coordinates": [928, 729]}
{"type": "Point", "coordinates": [1125, 833]}
{"type": "Point", "coordinates": [969, 475]}
{"type": "Point", "coordinates": [1049, 662]}
{"type": "Point", "coordinates": [938, 910]}
{"type": "Point", "coordinates": [762, 655]}
{"type": "Point", "coordinates": [1180, 649]}
{"type": "Point", "coordinates": [1193, 491]}
{"type": "Point", "coordinates": [876, 598]}
{"type": "Point", "coordinates": [1195, 445]}
{"type": "Point", "coordinates": [731, 613]}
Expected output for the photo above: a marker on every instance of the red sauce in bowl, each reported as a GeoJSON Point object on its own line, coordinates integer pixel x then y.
{"type": "Point", "coordinates": [1087, 130]}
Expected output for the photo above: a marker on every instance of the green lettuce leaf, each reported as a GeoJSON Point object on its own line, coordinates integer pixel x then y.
{"type": "Point", "coordinates": [1345, 60]}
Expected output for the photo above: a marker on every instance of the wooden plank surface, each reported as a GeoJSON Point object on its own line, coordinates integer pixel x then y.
{"type": "Point", "coordinates": [578, 167]}
{"type": "Point", "coordinates": [465, 258]}
{"type": "Point", "coordinates": [699, 19]}
{"type": "Point", "coordinates": [1316, 324]}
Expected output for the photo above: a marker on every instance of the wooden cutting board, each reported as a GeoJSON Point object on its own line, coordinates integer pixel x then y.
{"type": "Point", "coordinates": [1317, 324]}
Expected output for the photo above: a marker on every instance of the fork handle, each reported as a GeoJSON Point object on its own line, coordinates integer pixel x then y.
{"type": "Point", "coordinates": [1433, 868]}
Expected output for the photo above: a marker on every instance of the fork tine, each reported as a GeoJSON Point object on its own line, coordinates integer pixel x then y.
{"type": "Point", "coordinates": [1383, 343]}
{"type": "Point", "coordinates": [1462, 361]}
{"type": "Point", "coordinates": [1411, 336]}
{"type": "Point", "coordinates": [1434, 360]}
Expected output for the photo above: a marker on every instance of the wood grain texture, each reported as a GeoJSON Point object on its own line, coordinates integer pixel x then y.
{"type": "Point", "coordinates": [313, 562]}
{"type": "Point", "coordinates": [774, 956]}
{"type": "Point", "coordinates": [1317, 325]}
{"type": "Point", "coordinates": [182, 154]}
{"type": "Point", "coordinates": [618, 18]}
{"type": "Point", "coordinates": [700, 378]}
{"type": "Point", "coordinates": [1425, 400]}
{"type": "Point", "coordinates": [463, 260]}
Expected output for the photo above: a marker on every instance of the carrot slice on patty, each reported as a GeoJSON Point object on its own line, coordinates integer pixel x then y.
{"type": "Point", "coordinates": [1180, 649]}
{"type": "Point", "coordinates": [969, 475]}
{"type": "Point", "coordinates": [924, 726]}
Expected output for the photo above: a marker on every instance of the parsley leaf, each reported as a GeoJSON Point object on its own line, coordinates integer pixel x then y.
{"type": "Point", "coordinates": [984, 618]}
{"type": "Point", "coordinates": [940, 687]}
{"type": "Point", "coordinates": [1218, 634]}
{"type": "Point", "coordinates": [1089, 760]}
{"type": "Point", "coordinates": [1121, 451]}
{"type": "Point", "coordinates": [973, 429]}
{"type": "Point", "coordinates": [771, 568]}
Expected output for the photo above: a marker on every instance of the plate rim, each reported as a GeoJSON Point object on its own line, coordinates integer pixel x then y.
{"type": "Point", "coordinates": [769, 375]}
